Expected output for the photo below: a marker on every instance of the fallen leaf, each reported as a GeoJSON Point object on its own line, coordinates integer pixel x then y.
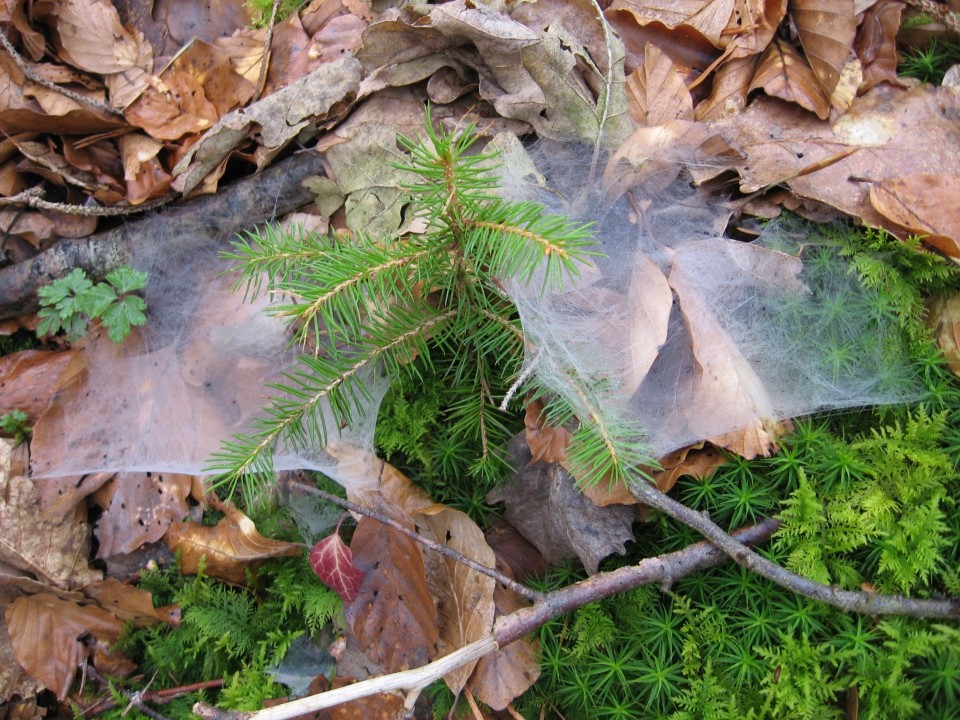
{"type": "Point", "coordinates": [130, 603]}
{"type": "Point", "coordinates": [464, 596]}
{"type": "Point", "coordinates": [507, 673]}
{"type": "Point", "coordinates": [514, 552]}
{"type": "Point", "coordinates": [332, 562]}
{"type": "Point", "coordinates": [54, 551]}
{"type": "Point", "coordinates": [944, 318]}
{"type": "Point", "coordinates": [783, 73]}
{"type": "Point", "coordinates": [81, 29]}
{"type": "Point", "coordinates": [656, 93]}
{"type": "Point", "coordinates": [708, 17]}
{"type": "Point", "coordinates": [826, 29]}
{"type": "Point", "coordinates": [205, 20]}
{"type": "Point", "coordinates": [393, 616]}
{"type": "Point", "coordinates": [139, 508]}
{"type": "Point", "coordinates": [320, 97]}
{"type": "Point", "coordinates": [29, 379]}
{"type": "Point", "coordinates": [922, 204]}
{"type": "Point", "coordinates": [697, 461]}
{"type": "Point", "coordinates": [752, 26]}
{"type": "Point", "coordinates": [227, 551]}
{"type": "Point", "coordinates": [14, 680]}
{"type": "Point", "coordinates": [543, 502]}
{"type": "Point", "coordinates": [731, 85]}
{"type": "Point", "coordinates": [876, 43]}
{"type": "Point", "coordinates": [547, 443]}
{"type": "Point", "coordinates": [46, 632]}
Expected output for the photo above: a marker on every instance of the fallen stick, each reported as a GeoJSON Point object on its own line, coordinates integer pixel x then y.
{"type": "Point", "coordinates": [243, 205]}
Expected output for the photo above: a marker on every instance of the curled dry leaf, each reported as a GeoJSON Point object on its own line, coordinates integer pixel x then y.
{"type": "Point", "coordinates": [131, 604]}
{"type": "Point", "coordinates": [922, 204]}
{"type": "Point", "coordinates": [393, 615]}
{"type": "Point", "coordinates": [708, 17]}
{"type": "Point", "coordinates": [464, 597]}
{"type": "Point", "coordinates": [656, 93]}
{"type": "Point", "coordinates": [227, 551]}
{"type": "Point", "coordinates": [826, 29]}
{"type": "Point", "coordinates": [547, 443]}
{"type": "Point", "coordinates": [783, 73]}
{"type": "Point", "coordinates": [696, 461]}
{"type": "Point", "coordinates": [731, 85]}
{"type": "Point", "coordinates": [46, 632]}
{"type": "Point", "coordinates": [332, 562]}
{"type": "Point", "coordinates": [92, 38]}
{"type": "Point", "coordinates": [53, 551]}
{"type": "Point", "coordinates": [544, 504]}
{"type": "Point", "coordinates": [876, 43]}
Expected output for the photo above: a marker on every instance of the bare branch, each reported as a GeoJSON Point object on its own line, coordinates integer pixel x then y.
{"type": "Point", "coordinates": [518, 588]}
{"type": "Point", "coordinates": [867, 603]}
{"type": "Point", "coordinates": [33, 197]}
{"type": "Point", "coordinates": [664, 568]}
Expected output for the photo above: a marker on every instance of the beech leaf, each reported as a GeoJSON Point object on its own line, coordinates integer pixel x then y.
{"type": "Point", "coordinates": [783, 73]}
{"type": "Point", "coordinates": [826, 29]}
{"type": "Point", "coordinates": [332, 561]}
{"type": "Point", "coordinates": [924, 204]}
{"type": "Point", "coordinates": [393, 615]}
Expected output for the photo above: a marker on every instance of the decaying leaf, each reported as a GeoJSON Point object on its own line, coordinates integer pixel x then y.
{"type": "Point", "coordinates": [876, 43]}
{"type": "Point", "coordinates": [139, 508]}
{"type": "Point", "coordinates": [826, 29]}
{"type": "Point", "coordinates": [46, 632]}
{"type": "Point", "coordinates": [332, 562]}
{"type": "Point", "coordinates": [393, 615]}
{"type": "Point", "coordinates": [544, 504]}
{"type": "Point", "coordinates": [29, 379]}
{"type": "Point", "coordinates": [53, 551]}
{"type": "Point", "coordinates": [783, 73]}
{"type": "Point", "coordinates": [506, 674]}
{"type": "Point", "coordinates": [656, 93]}
{"type": "Point", "coordinates": [227, 551]}
{"type": "Point", "coordinates": [464, 597]}
{"type": "Point", "coordinates": [922, 204]}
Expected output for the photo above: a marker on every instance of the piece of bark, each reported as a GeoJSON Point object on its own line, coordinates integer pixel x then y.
{"type": "Point", "coordinates": [243, 205]}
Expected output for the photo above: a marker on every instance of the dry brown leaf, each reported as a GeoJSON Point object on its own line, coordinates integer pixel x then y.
{"type": "Point", "coordinates": [547, 443]}
{"type": "Point", "coordinates": [922, 204]}
{"type": "Point", "coordinates": [506, 674]}
{"type": "Point", "coordinates": [205, 20]}
{"type": "Point", "coordinates": [139, 508]}
{"type": "Point", "coordinates": [783, 73]}
{"type": "Point", "coordinates": [514, 552]}
{"type": "Point", "coordinates": [14, 680]}
{"type": "Point", "coordinates": [696, 461]}
{"type": "Point", "coordinates": [393, 617]}
{"type": "Point", "coordinates": [876, 43]}
{"type": "Point", "coordinates": [92, 38]}
{"type": "Point", "coordinates": [323, 95]}
{"type": "Point", "coordinates": [46, 632]}
{"type": "Point", "coordinates": [656, 93]}
{"type": "Point", "coordinates": [944, 318]}
{"type": "Point", "coordinates": [752, 26]}
{"type": "Point", "coordinates": [29, 379]}
{"type": "Point", "coordinates": [731, 85]}
{"type": "Point", "coordinates": [726, 392]}
{"type": "Point", "coordinates": [708, 17]}
{"type": "Point", "coordinates": [544, 504]}
{"type": "Point", "coordinates": [130, 604]}
{"type": "Point", "coordinates": [338, 36]}
{"type": "Point", "coordinates": [54, 551]}
{"type": "Point", "coordinates": [228, 551]}
{"type": "Point", "coordinates": [464, 597]}
{"type": "Point", "coordinates": [826, 29]}
{"type": "Point", "coordinates": [885, 126]}
{"type": "Point", "coordinates": [143, 173]}
{"type": "Point", "coordinates": [245, 50]}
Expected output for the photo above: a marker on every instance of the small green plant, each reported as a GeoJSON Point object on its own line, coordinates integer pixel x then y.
{"type": "Point", "coordinates": [931, 63]}
{"type": "Point", "coordinates": [425, 306]}
{"type": "Point", "coordinates": [71, 303]}
{"type": "Point", "coordinates": [263, 9]}
{"type": "Point", "coordinates": [14, 424]}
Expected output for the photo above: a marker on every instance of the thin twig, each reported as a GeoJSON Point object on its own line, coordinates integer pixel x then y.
{"type": "Point", "coordinates": [135, 698]}
{"type": "Point", "coordinates": [518, 588]}
{"type": "Point", "coordinates": [33, 197]}
{"type": "Point", "coordinates": [267, 50]}
{"type": "Point", "coordinates": [33, 77]}
{"type": "Point", "coordinates": [867, 603]}
{"type": "Point", "coordinates": [510, 627]}
{"type": "Point", "coordinates": [154, 696]}
{"type": "Point", "coordinates": [521, 380]}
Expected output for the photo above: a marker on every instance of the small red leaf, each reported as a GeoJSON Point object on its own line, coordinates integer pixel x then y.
{"type": "Point", "coordinates": [332, 561]}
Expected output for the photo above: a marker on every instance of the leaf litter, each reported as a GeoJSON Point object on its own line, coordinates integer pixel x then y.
{"type": "Point", "coordinates": [820, 122]}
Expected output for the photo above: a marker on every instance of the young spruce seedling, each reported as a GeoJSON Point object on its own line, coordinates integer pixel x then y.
{"type": "Point", "coordinates": [416, 306]}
